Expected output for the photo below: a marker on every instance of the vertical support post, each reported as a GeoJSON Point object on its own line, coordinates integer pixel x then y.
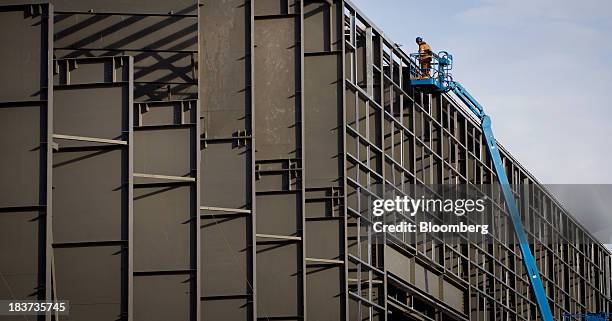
{"type": "Point", "coordinates": [344, 213]}
{"type": "Point", "coordinates": [369, 53]}
{"type": "Point", "coordinates": [130, 227]}
{"type": "Point", "coordinates": [47, 51]}
{"type": "Point", "coordinates": [196, 211]}
{"type": "Point", "coordinates": [251, 97]}
{"type": "Point", "coordinates": [302, 210]}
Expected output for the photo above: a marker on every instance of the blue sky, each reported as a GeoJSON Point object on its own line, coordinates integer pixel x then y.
{"type": "Point", "coordinates": [541, 68]}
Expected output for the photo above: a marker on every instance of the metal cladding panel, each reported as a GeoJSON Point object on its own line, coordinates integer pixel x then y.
{"type": "Point", "coordinates": [162, 234]}
{"type": "Point", "coordinates": [21, 167]}
{"type": "Point", "coordinates": [323, 239]}
{"type": "Point", "coordinates": [398, 264]}
{"type": "Point", "coordinates": [324, 293]}
{"type": "Point", "coordinates": [275, 7]}
{"type": "Point", "coordinates": [322, 27]}
{"type": "Point", "coordinates": [92, 168]}
{"type": "Point", "coordinates": [276, 60]}
{"type": "Point", "coordinates": [24, 32]}
{"type": "Point", "coordinates": [19, 259]}
{"type": "Point", "coordinates": [227, 310]}
{"type": "Point", "coordinates": [278, 284]}
{"type": "Point", "coordinates": [92, 279]}
{"type": "Point", "coordinates": [164, 151]}
{"type": "Point", "coordinates": [226, 168]}
{"type": "Point", "coordinates": [225, 255]}
{"type": "Point", "coordinates": [162, 297]}
{"type": "Point", "coordinates": [80, 111]}
{"type": "Point", "coordinates": [88, 193]}
{"type": "Point", "coordinates": [224, 79]}
{"type": "Point", "coordinates": [278, 214]}
{"type": "Point", "coordinates": [26, 105]}
{"type": "Point", "coordinates": [323, 96]}
{"type": "Point", "coordinates": [453, 296]}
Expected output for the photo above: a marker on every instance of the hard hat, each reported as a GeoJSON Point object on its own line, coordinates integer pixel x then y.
{"type": "Point", "coordinates": [419, 39]}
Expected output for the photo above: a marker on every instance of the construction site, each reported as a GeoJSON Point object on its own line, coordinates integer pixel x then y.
{"type": "Point", "coordinates": [208, 160]}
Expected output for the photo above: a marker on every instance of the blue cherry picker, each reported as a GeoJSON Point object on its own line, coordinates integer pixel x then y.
{"type": "Point", "coordinates": [433, 76]}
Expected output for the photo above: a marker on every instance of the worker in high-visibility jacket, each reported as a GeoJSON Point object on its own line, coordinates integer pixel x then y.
{"type": "Point", "coordinates": [425, 56]}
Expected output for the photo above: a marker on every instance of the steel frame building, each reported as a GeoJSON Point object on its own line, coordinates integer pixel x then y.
{"type": "Point", "coordinates": [176, 160]}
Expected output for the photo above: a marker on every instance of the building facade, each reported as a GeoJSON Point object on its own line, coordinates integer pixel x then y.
{"type": "Point", "coordinates": [217, 160]}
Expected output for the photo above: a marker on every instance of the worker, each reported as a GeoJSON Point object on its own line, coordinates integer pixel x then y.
{"type": "Point", "coordinates": [425, 56]}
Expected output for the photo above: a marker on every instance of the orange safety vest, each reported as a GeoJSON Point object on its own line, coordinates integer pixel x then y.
{"type": "Point", "coordinates": [424, 51]}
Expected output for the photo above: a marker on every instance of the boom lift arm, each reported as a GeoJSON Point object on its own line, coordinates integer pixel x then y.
{"type": "Point", "coordinates": [528, 259]}
{"type": "Point", "coordinates": [438, 79]}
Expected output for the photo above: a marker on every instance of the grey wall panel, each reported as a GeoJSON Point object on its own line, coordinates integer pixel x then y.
{"type": "Point", "coordinates": [162, 297]}
{"type": "Point", "coordinates": [224, 89]}
{"type": "Point", "coordinates": [278, 284]}
{"type": "Point", "coordinates": [21, 159]}
{"type": "Point", "coordinates": [26, 106]}
{"type": "Point", "coordinates": [275, 7]}
{"type": "Point", "coordinates": [276, 62]}
{"type": "Point", "coordinates": [163, 151]}
{"type": "Point", "coordinates": [89, 194]}
{"type": "Point", "coordinates": [398, 264]}
{"type": "Point", "coordinates": [323, 239]}
{"type": "Point", "coordinates": [162, 233]}
{"type": "Point", "coordinates": [227, 310]}
{"type": "Point", "coordinates": [453, 296]}
{"type": "Point", "coordinates": [322, 126]}
{"type": "Point", "coordinates": [226, 168]}
{"type": "Point", "coordinates": [322, 27]}
{"type": "Point", "coordinates": [24, 32]}
{"type": "Point", "coordinates": [19, 259]}
{"type": "Point", "coordinates": [80, 111]}
{"type": "Point", "coordinates": [92, 279]}
{"type": "Point", "coordinates": [278, 214]}
{"type": "Point", "coordinates": [324, 293]}
{"type": "Point", "coordinates": [225, 255]}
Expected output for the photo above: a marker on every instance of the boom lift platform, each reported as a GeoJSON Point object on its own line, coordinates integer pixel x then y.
{"type": "Point", "coordinates": [437, 79]}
